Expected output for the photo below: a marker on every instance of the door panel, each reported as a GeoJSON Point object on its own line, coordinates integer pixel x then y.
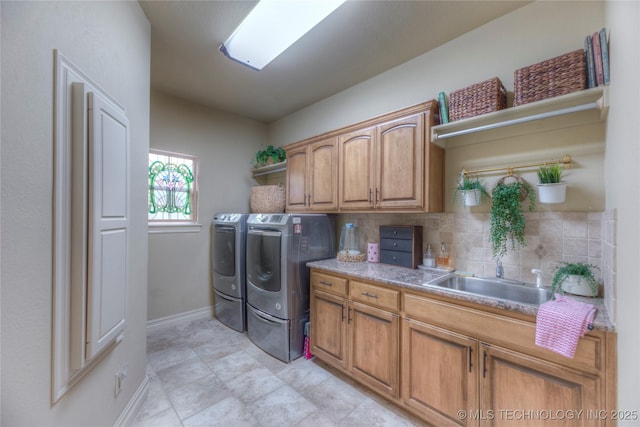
{"type": "Point", "coordinates": [439, 373]}
{"type": "Point", "coordinates": [108, 222]}
{"type": "Point", "coordinates": [375, 338]}
{"type": "Point", "coordinates": [400, 163]}
{"type": "Point", "coordinates": [357, 169]}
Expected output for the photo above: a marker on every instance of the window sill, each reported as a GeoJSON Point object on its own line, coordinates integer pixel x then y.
{"type": "Point", "coordinates": [172, 227]}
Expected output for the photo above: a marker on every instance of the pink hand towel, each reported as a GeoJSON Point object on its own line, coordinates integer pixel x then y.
{"type": "Point", "coordinates": [561, 322]}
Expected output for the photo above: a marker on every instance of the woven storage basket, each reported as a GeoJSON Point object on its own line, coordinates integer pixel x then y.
{"type": "Point", "coordinates": [268, 198]}
{"type": "Point", "coordinates": [480, 98]}
{"type": "Point", "coordinates": [556, 76]}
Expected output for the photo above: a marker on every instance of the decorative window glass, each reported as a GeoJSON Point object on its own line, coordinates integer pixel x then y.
{"type": "Point", "coordinates": [172, 187]}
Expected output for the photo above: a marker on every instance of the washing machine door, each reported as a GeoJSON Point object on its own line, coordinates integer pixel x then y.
{"type": "Point", "coordinates": [224, 250]}
{"type": "Point", "coordinates": [263, 260]}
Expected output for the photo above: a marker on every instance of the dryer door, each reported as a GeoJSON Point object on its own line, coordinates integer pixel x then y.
{"type": "Point", "coordinates": [263, 260]}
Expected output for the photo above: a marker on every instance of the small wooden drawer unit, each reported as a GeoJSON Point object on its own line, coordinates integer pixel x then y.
{"type": "Point", "coordinates": [401, 245]}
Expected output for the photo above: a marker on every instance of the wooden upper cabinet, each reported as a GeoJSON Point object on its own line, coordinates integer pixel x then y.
{"type": "Point", "coordinates": [296, 179]}
{"type": "Point", "coordinates": [383, 164]}
{"type": "Point", "coordinates": [357, 168]}
{"type": "Point", "coordinates": [400, 163]}
{"type": "Point", "coordinates": [312, 177]}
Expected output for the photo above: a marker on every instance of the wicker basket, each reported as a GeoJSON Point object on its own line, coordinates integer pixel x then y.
{"type": "Point", "coordinates": [557, 76]}
{"type": "Point", "coordinates": [268, 198]}
{"type": "Point", "coordinates": [480, 98]}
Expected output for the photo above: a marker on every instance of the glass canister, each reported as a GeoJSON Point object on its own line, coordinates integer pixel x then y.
{"type": "Point", "coordinates": [349, 240]}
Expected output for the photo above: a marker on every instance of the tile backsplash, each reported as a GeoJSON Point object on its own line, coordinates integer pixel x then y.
{"type": "Point", "coordinates": [550, 237]}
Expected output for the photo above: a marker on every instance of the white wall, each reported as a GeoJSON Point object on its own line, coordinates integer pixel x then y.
{"type": "Point", "coordinates": [622, 180]}
{"type": "Point", "coordinates": [225, 145]}
{"type": "Point", "coordinates": [110, 42]}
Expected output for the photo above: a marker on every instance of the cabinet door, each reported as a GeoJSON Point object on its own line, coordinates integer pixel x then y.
{"type": "Point", "coordinates": [329, 328]}
{"type": "Point", "coordinates": [514, 382]}
{"type": "Point", "coordinates": [439, 373]}
{"type": "Point", "coordinates": [400, 163]}
{"type": "Point", "coordinates": [323, 175]}
{"type": "Point", "coordinates": [375, 344]}
{"type": "Point", "coordinates": [356, 176]}
{"type": "Point", "coordinates": [296, 179]}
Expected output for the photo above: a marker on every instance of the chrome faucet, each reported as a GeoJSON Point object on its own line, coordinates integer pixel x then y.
{"type": "Point", "coordinates": [538, 274]}
{"type": "Point", "coordinates": [499, 270]}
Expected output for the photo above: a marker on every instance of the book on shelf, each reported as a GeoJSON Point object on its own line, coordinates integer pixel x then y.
{"type": "Point", "coordinates": [597, 58]}
{"type": "Point", "coordinates": [444, 108]}
{"type": "Point", "coordinates": [591, 70]}
{"type": "Point", "coordinates": [604, 48]}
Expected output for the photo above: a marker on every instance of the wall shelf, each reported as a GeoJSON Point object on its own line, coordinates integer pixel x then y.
{"type": "Point", "coordinates": [270, 173]}
{"type": "Point", "coordinates": [574, 109]}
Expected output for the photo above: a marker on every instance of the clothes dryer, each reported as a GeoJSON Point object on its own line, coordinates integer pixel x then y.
{"type": "Point", "coordinates": [278, 249]}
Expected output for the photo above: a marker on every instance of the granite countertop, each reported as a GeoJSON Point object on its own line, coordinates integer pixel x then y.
{"type": "Point", "coordinates": [414, 279]}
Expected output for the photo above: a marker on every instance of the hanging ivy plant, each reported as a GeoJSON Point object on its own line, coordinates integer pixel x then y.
{"type": "Point", "coordinates": [507, 216]}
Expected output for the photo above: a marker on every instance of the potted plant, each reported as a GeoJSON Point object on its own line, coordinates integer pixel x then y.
{"type": "Point", "coordinates": [471, 190]}
{"type": "Point", "coordinates": [575, 278]}
{"type": "Point", "coordinates": [507, 216]}
{"type": "Point", "coordinates": [551, 188]}
{"type": "Point", "coordinates": [269, 155]}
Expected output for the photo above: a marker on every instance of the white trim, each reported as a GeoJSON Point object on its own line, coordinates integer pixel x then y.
{"type": "Point", "coordinates": [133, 406]}
{"type": "Point", "coordinates": [175, 227]}
{"type": "Point", "coordinates": [180, 318]}
{"type": "Point", "coordinates": [63, 374]}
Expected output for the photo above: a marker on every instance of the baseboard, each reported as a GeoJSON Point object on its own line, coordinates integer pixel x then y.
{"type": "Point", "coordinates": [135, 403]}
{"type": "Point", "coordinates": [177, 319]}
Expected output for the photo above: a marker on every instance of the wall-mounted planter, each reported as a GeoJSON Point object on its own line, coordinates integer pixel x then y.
{"type": "Point", "coordinates": [471, 197]}
{"type": "Point", "coordinates": [552, 193]}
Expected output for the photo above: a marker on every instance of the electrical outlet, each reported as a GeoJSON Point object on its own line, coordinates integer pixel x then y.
{"type": "Point", "coordinates": [120, 376]}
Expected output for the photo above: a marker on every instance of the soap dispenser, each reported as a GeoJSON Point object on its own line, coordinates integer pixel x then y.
{"type": "Point", "coordinates": [428, 260]}
{"type": "Point", "coordinates": [443, 257]}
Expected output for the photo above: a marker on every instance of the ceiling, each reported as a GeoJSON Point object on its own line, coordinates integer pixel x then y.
{"type": "Point", "coordinates": [359, 40]}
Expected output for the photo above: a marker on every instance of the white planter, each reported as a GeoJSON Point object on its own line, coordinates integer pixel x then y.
{"type": "Point", "coordinates": [577, 285]}
{"type": "Point", "coordinates": [552, 193]}
{"type": "Point", "coordinates": [471, 197]}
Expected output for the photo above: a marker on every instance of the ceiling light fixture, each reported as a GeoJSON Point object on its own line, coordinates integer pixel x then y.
{"type": "Point", "coordinates": [272, 26]}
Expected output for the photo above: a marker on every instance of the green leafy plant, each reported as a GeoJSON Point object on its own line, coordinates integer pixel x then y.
{"type": "Point", "coordinates": [574, 268]}
{"type": "Point", "coordinates": [269, 155]}
{"type": "Point", "coordinates": [550, 174]}
{"type": "Point", "coordinates": [507, 216]}
{"type": "Point", "coordinates": [466, 183]}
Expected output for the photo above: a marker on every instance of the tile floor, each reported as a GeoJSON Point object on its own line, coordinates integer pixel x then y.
{"type": "Point", "coordinates": [206, 374]}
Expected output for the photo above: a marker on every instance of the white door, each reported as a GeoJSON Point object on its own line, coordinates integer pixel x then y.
{"type": "Point", "coordinates": [108, 223]}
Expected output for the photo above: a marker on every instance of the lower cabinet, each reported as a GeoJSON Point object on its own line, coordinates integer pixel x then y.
{"type": "Point", "coordinates": [457, 365]}
{"type": "Point", "coordinates": [454, 380]}
{"type": "Point", "coordinates": [374, 338]}
{"type": "Point", "coordinates": [439, 373]}
{"type": "Point", "coordinates": [517, 388]}
{"type": "Point", "coordinates": [359, 338]}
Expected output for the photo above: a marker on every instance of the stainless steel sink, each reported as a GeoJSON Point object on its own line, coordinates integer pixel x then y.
{"type": "Point", "coordinates": [495, 288]}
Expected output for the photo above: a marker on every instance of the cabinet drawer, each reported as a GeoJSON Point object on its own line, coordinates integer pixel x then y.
{"type": "Point", "coordinates": [404, 259]}
{"type": "Point", "coordinates": [396, 245]}
{"type": "Point", "coordinates": [396, 232]}
{"type": "Point", "coordinates": [328, 283]}
{"type": "Point", "coordinates": [374, 295]}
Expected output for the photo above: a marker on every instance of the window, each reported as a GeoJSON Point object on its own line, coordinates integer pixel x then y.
{"type": "Point", "coordinates": [172, 187]}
